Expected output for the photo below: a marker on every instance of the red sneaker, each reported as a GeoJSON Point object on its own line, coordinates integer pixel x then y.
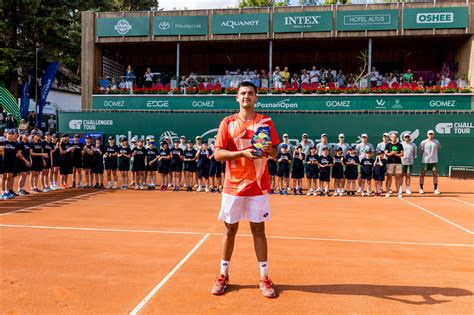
{"type": "Point", "coordinates": [220, 285]}
{"type": "Point", "coordinates": [266, 286]}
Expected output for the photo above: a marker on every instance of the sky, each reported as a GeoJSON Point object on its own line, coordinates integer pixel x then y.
{"type": "Point", "coordinates": [201, 4]}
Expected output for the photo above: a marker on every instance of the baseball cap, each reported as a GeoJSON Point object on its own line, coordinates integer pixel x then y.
{"type": "Point", "coordinates": [368, 151]}
{"type": "Point", "coordinates": [97, 138]}
{"type": "Point", "coordinates": [284, 146]}
{"type": "Point", "coordinates": [406, 134]}
{"type": "Point", "coordinates": [325, 148]}
{"type": "Point", "coordinates": [380, 152]}
{"type": "Point", "coordinates": [150, 138]}
{"type": "Point", "coordinates": [198, 137]}
{"type": "Point", "coordinates": [430, 132]}
{"type": "Point", "coordinates": [312, 147]}
{"type": "Point", "coordinates": [167, 138]}
{"type": "Point", "coordinates": [77, 135]}
{"type": "Point", "coordinates": [324, 135]}
{"type": "Point", "coordinates": [305, 135]}
{"type": "Point", "coordinates": [122, 139]}
{"type": "Point", "coordinates": [182, 137]}
{"type": "Point", "coordinates": [176, 141]}
{"type": "Point", "coordinates": [88, 137]}
{"type": "Point", "coordinates": [134, 139]}
{"type": "Point", "coordinates": [66, 135]}
{"type": "Point", "coordinates": [47, 133]}
{"type": "Point", "coordinates": [190, 141]}
{"type": "Point", "coordinates": [111, 138]}
{"type": "Point", "coordinates": [140, 140]}
{"type": "Point", "coordinates": [338, 149]}
{"type": "Point", "coordinates": [385, 134]}
{"type": "Point", "coordinates": [364, 135]}
{"type": "Point", "coordinates": [341, 135]}
{"type": "Point", "coordinates": [55, 135]}
{"type": "Point", "coordinates": [24, 132]}
{"type": "Point", "coordinates": [299, 146]}
{"type": "Point", "coordinates": [285, 135]}
{"type": "Point", "coordinates": [351, 147]}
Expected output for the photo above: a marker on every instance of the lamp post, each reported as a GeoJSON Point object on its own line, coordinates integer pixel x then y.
{"type": "Point", "coordinates": [37, 49]}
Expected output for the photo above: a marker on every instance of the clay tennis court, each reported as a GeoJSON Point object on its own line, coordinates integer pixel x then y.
{"type": "Point", "coordinates": [119, 252]}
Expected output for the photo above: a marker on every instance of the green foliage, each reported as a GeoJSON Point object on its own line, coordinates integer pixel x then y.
{"type": "Point", "coordinates": [262, 3]}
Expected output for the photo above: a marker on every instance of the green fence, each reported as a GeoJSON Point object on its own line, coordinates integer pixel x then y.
{"type": "Point", "coordinates": [341, 102]}
{"type": "Point", "coordinates": [455, 131]}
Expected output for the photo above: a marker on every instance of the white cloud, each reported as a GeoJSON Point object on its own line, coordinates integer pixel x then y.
{"type": "Point", "coordinates": [197, 4]}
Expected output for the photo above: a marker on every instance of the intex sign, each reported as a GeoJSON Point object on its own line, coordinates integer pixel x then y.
{"type": "Point", "coordinates": [441, 17]}
{"type": "Point", "coordinates": [302, 20]}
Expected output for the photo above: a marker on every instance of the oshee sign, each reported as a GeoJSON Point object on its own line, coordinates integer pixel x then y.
{"type": "Point", "coordinates": [451, 129]}
{"type": "Point", "coordinates": [285, 102]}
{"type": "Point", "coordinates": [369, 20]}
{"type": "Point", "coordinates": [126, 26]}
{"type": "Point", "coordinates": [428, 18]}
{"type": "Point", "coordinates": [302, 22]}
{"type": "Point", "coordinates": [180, 25]}
{"type": "Point", "coordinates": [240, 23]}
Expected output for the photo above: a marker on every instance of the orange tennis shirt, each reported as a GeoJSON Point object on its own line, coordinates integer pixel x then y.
{"type": "Point", "coordinates": [244, 177]}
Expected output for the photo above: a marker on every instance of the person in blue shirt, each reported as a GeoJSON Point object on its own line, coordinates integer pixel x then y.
{"type": "Point", "coordinates": [104, 84]}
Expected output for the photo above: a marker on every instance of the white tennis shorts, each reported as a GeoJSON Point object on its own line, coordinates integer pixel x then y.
{"type": "Point", "coordinates": [234, 208]}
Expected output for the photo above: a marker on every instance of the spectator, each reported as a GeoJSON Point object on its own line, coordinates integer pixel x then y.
{"type": "Point", "coordinates": [51, 124]}
{"type": "Point", "coordinates": [286, 141]}
{"type": "Point", "coordinates": [285, 76]}
{"type": "Point", "coordinates": [444, 81]}
{"type": "Point", "coordinates": [129, 77]}
{"type": "Point", "coordinates": [374, 75]}
{"type": "Point", "coordinates": [31, 119]}
{"type": "Point", "coordinates": [341, 79]}
{"type": "Point", "coordinates": [420, 82]}
{"type": "Point", "coordinates": [149, 77]}
{"type": "Point", "coordinates": [295, 79]}
{"type": "Point", "coordinates": [10, 122]}
{"type": "Point", "coordinates": [113, 85]}
{"type": "Point", "coordinates": [23, 126]}
{"type": "Point", "coordinates": [256, 79]}
{"type": "Point", "coordinates": [323, 144]}
{"type": "Point", "coordinates": [263, 74]}
{"type": "Point", "coordinates": [323, 77]}
{"type": "Point", "coordinates": [122, 84]}
{"type": "Point", "coordinates": [305, 144]}
{"type": "Point", "coordinates": [391, 80]}
{"type": "Point", "coordinates": [226, 81]}
{"type": "Point", "coordinates": [408, 76]}
{"type": "Point", "coordinates": [351, 80]}
{"type": "Point", "coordinates": [330, 76]}
{"type": "Point", "coordinates": [314, 75]}
{"type": "Point", "coordinates": [246, 76]}
{"type": "Point", "coordinates": [104, 84]}
{"type": "Point", "coordinates": [277, 83]}
{"type": "Point", "coordinates": [183, 83]}
{"type": "Point", "coordinates": [304, 77]}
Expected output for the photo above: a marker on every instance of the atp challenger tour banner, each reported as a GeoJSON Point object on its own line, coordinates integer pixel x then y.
{"type": "Point", "coordinates": [455, 131]}
{"type": "Point", "coordinates": [286, 102]}
{"type": "Point", "coordinates": [427, 18]}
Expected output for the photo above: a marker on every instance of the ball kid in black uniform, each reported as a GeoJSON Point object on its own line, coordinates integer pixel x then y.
{"type": "Point", "coordinates": [203, 165]}
{"type": "Point", "coordinates": [97, 170]}
{"type": "Point", "coordinates": [367, 165]}
{"type": "Point", "coordinates": [66, 165]}
{"type": "Point", "coordinates": [379, 170]}
{"type": "Point", "coordinates": [338, 172]}
{"type": "Point", "coordinates": [48, 148]}
{"type": "Point", "coordinates": [297, 170]}
{"type": "Point", "coordinates": [24, 161]}
{"type": "Point", "coordinates": [190, 165]}
{"type": "Point", "coordinates": [284, 160]}
{"type": "Point", "coordinates": [124, 154]}
{"type": "Point", "coordinates": [351, 172]}
{"type": "Point", "coordinates": [325, 163]}
{"type": "Point", "coordinates": [152, 157]}
{"type": "Point", "coordinates": [176, 165]}
{"type": "Point", "coordinates": [111, 164]}
{"type": "Point", "coordinates": [57, 160]}
{"type": "Point", "coordinates": [77, 161]}
{"type": "Point", "coordinates": [312, 170]}
{"type": "Point", "coordinates": [36, 153]}
{"type": "Point", "coordinates": [139, 163]}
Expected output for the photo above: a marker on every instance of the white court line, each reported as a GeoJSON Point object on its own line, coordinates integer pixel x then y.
{"type": "Point", "coordinates": [438, 216]}
{"type": "Point", "coordinates": [169, 275]}
{"type": "Point", "coordinates": [240, 235]}
{"type": "Point", "coordinates": [50, 203]}
{"type": "Point", "coordinates": [468, 203]}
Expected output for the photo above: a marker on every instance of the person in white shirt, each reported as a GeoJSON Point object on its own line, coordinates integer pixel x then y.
{"type": "Point", "coordinates": [429, 149]}
{"type": "Point", "coordinates": [277, 83]}
{"type": "Point", "coordinates": [246, 76]}
{"type": "Point", "coordinates": [256, 79]}
{"type": "Point", "coordinates": [408, 159]}
{"type": "Point", "coordinates": [444, 81]}
{"type": "Point", "coordinates": [225, 82]}
{"type": "Point", "coordinates": [304, 77]}
{"type": "Point", "coordinates": [374, 75]}
{"type": "Point", "coordinates": [314, 75]}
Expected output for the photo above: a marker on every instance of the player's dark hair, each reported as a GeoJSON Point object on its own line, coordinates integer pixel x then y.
{"type": "Point", "coordinates": [246, 84]}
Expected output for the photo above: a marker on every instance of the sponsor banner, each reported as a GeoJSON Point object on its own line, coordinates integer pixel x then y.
{"type": "Point", "coordinates": [240, 23]}
{"type": "Point", "coordinates": [279, 103]}
{"type": "Point", "coordinates": [125, 26]}
{"type": "Point", "coordinates": [302, 22]}
{"type": "Point", "coordinates": [428, 18]}
{"type": "Point", "coordinates": [367, 20]}
{"type": "Point", "coordinates": [461, 171]}
{"type": "Point", "coordinates": [159, 125]}
{"type": "Point", "coordinates": [180, 25]}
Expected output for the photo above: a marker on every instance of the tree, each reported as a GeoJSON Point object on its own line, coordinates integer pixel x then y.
{"type": "Point", "coordinates": [262, 3]}
{"type": "Point", "coordinates": [52, 26]}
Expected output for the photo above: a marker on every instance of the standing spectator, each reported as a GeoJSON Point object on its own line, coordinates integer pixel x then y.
{"type": "Point", "coordinates": [51, 124]}
{"type": "Point", "coordinates": [24, 126]}
{"type": "Point", "coordinates": [381, 146]}
{"type": "Point", "coordinates": [277, 83]}
{"type": "Point", "coordinates": [285, 77]}
{"type": "Point", "coordinates": [342, 144]}
{"type": "Point", "coordinates": [286, 141]}
{"type": "Point", "coordinates": [394, 152]}
{"type": "Point", "coordinates": [149, 78]}
{"type": "Point", "coordinates": [304, 77]}
{"type": "Point", "coordinates": [225, 82]}
{"type": "Point", "coordinates": [350, 80]}
{"type": "Point", "coordinates": [341, 79]}
{"type": "Point", "coordinates": [409, 156]}
{"type": "Point", "coordinates": [314, 75]}
{"type": "Point", "coordinates": [444, 81]}
{"type": "Point", "coordinates": [122, 84]}
{"type": "Point", "coordinates": [305, 144]}
{"type": "Point", "coordinates": [10, 122]}
{"type": "Point", "coordinates": [246, 76]}
{"type": "Point", "coordinates": [374, 74]}
{"type": "Point", "coordinates": [31, 119]}
{"type": "Point", "coordinates": [323, 144]}
{"type": "Point", "coordinates": [256, 79]}
{"type": "Point", "coordinates": [330, 76]}
{"type": "Point", "coordinates": [129, 78]}
{"type": "Point", "coordinates": [429, 149]}
{"type": "Point", "coordinates": [408, 76]}
{"type": "Point", "coordinates": [295, 80]}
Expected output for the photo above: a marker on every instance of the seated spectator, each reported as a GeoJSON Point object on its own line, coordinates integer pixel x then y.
{"type": "Point", "coordinates": [183, 83]}
{"type": "Point", "coordinates": [24, 126]}
{"type": "Point", "coordinates": [379, 80]}
{"type": "Point", "coordinates": [263, 74]}
{"type": "Point", "coordinates": [341, 79]}
{"type": "Point", "coordinates": [285, 76]}
{"type": "Point", "coordinates": [444, 82]}
{"type": "Point", "coordinates": [304, 77]}
{"type": "Point", "coordinates": [391, 79]}
{"type": "Point", "coordinates": [226, 80]}
{"type": "Point", "coordinates": [350, 80]}
{"type": "Point", "coordinates": [113, 85]}
{"type": "Point", "coordinates": [374, 75]}
{"type": "Point", "coordinates": [122, 84]}
{"type": "Point", "coordinates": [246, 76]}
{"type": "Point", "coordinates": [295, 79]}
{"type": "Point", "coordinates": [314, 75]}
{"type": "Point", "coordinates": [104, 84]}
{"type": "Point", "coordinates": [420, 82]}
{"type": "Point", "coordinates": [330, 76]}
{"type": "Point", "coordinates": [323, 76]}
{"type": "Point", "coordinates": [256, 79]}
{"type": "Point", "coordinates": [408, 76]}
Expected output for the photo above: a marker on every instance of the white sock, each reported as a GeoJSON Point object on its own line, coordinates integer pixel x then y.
{"type": "Point", "coordinates": [108, 184]}
{"type": "Point", "coordinates": [263, 265]}
{"type": "Point", "coordinates": [224, 267]}
{"type": "Point", "coordinates": [115, 183]}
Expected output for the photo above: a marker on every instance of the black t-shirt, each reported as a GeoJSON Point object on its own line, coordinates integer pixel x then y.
{"type": "Point", "coordinates": [312, 158]}
{"type": "Point", "coordinates": [285, 160]}
{"type": "Point", "coordinates": [325, 162]}
{"type": "Point", "coordinates": [338, 159]}
{"type": "Point", "coordinates": [37, 147]}
{"type": "Point", "coordinates": [177, 153]}
{"type": "Point", "coordinates": [88, 148]}
{"type": "Point", "coordinates": [11, 148]}
{"type": "Point", "coordinates": [380, 169]}
{"type": "Point", "coordinates": [67, 156]}
{"type": "Point", "coordinates": [367, 165]}
{"type": "Point", "coordinates": [140, 154]}
{"type": "Point", "coordinates": [47, 148]}
{"type": "Point", "coordinates": [151, 154]}
{"type": "Point", "coordinates": [123, 159]}
{"type": "Point", "coordinates": [25, 149]}
{"type": "Point", "coordinates": [190, 154]}
{"type": "Point", "coordinates": [77, 152]}
{"type": "Point", "coordinates": [203, 159]}
{"type": "Point", "coordinates": [391, 147]}
{"type": "Point", "coordinates": [351, 159]}
{"type": "Point", "coordinates": [111, 149]}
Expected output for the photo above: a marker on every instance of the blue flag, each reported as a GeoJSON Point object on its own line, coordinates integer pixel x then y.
{"type": "Point", "coordinates": [46, 82]}
{"type": "Point", "coordinates": [25, 98]}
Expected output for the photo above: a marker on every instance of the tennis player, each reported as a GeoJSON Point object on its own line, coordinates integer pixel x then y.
{"type": "Point", "coordinates": [246, 183]}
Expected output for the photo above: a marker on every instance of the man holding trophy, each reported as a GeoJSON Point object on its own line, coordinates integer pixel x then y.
{"type": "Point", "coordinates": [245, 140]}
